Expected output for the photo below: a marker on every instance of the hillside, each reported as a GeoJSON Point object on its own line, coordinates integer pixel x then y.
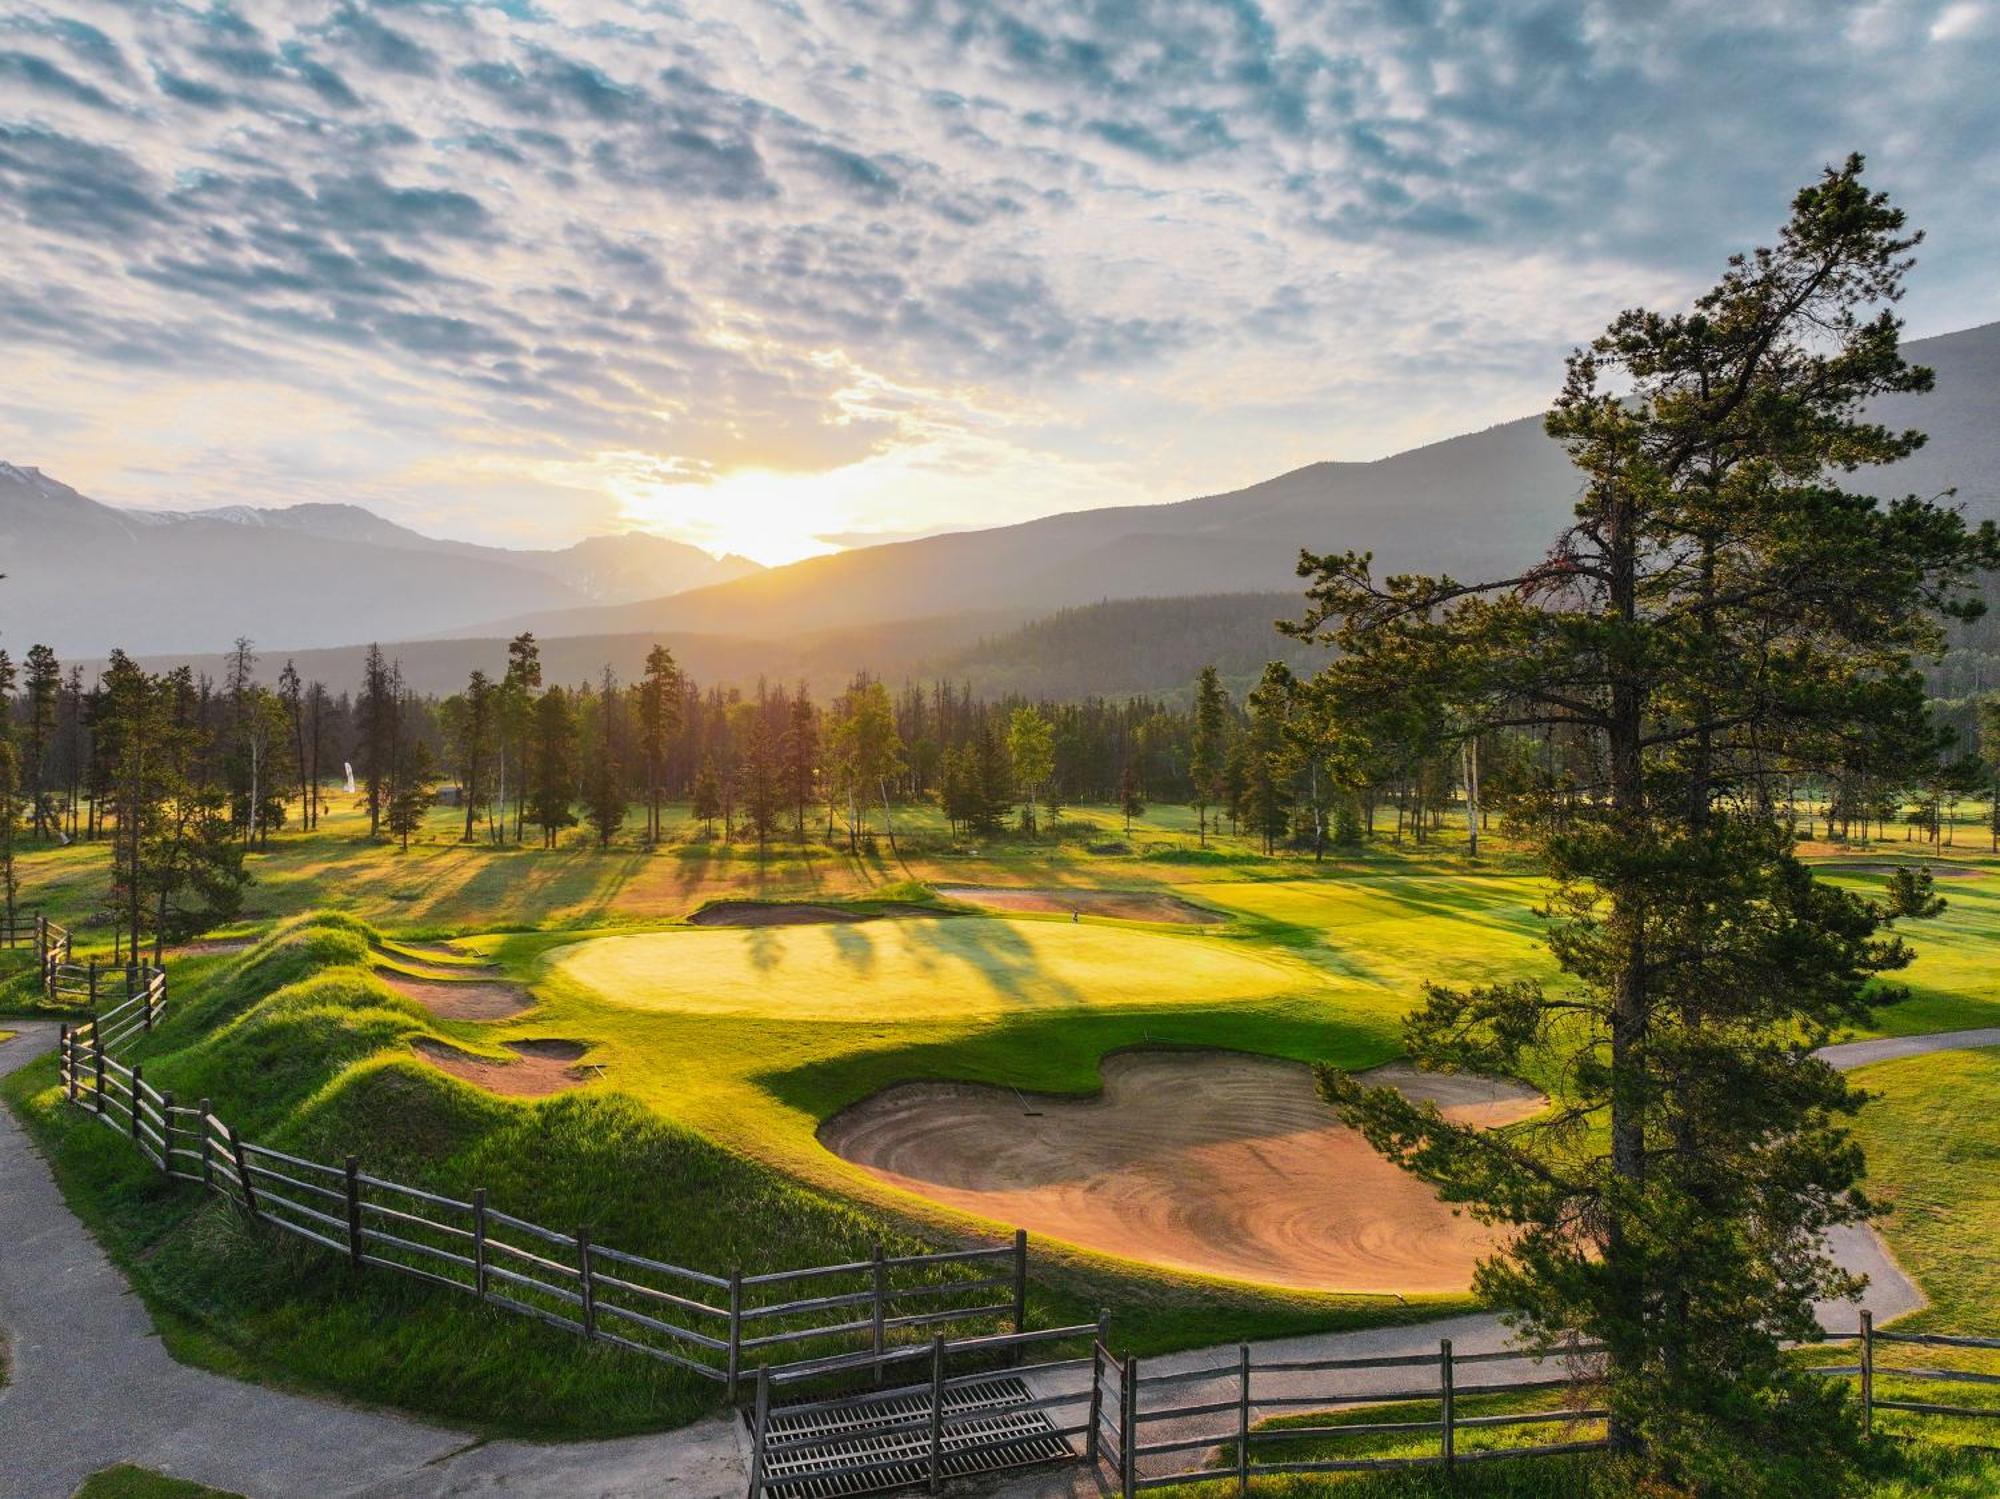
{"type": "Point", "coordinates": [1472, 505]}
{"type": "Point", "coordinates": [84, 576]}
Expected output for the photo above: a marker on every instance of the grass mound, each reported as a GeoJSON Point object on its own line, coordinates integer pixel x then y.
{"type": "Point", "coordinates": [301, 1047]}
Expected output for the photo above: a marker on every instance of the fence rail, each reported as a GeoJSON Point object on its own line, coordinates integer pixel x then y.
{"type": "Point", "coordinates": [802, 1323]}
{"type": "Point", "coordinates": [1869, 1371]}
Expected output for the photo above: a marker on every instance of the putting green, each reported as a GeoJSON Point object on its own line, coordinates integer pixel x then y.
{"type": "Point", "coordinates": [923, 968]}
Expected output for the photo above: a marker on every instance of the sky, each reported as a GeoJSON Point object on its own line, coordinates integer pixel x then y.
{"type": "Point", "coordinates": [780, 277]}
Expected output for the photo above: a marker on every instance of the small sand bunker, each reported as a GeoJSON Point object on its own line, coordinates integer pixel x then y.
{"type": "Point", "coordinates": [460, 999]}
{"type": "Point", "coordinates": [771, 913]}
{"type": "Point", "coordinates": [544, 1067]}
{"type": "Point", "coordinates": [1125, 905]}
{"type": "Point", "coordinates": [1230, 1165]}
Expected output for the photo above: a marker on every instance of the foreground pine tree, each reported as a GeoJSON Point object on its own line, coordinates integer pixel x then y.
{"type": "Point", "coordinates": [1722, 614]}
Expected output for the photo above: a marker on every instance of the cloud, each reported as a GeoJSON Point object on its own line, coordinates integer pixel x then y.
{"type": "Point", "coordinates": [1142, 247]}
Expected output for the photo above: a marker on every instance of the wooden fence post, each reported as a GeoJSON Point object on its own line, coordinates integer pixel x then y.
{"type": "Point", "coordinates": [1090, 1444]}
{"type": "Point", "coordinates": [878, 1310]}
{"type": "Point", "coordinates": [148, 1000]}
{"type": "Point", "coordinates": [1446, 1391]}
{"type": "Point", "coordinates": [758, 1430]}
{"type": "Point", "coordinates": [1867, 1372]}
{"type": "Point", "coordinates": [207, 1145]}
{"type": "Point", "coordinates": [1020, 1282]}
{"type": "Point", "coordinates": [93, 984]}
{"type": "Point", "coordinates": [937, 1413]}
{"type": "Point", "coordinates": [167, 1133]}
{"type": "Point", "coordinates": [97, 1047]}
{"type": "Point", "coordinates": [66, 1061]}
{"type": "Point", "coordinates": [589, 1284]}
{"type": "Point", "coordinates": [138, 1079]}
{"type": "Point", "coordinates": [1128, 1428]}
{"type": "Point", "coordinates": [735, 1329]}
{"type": "Point", "coordinates": [479, 1242]}
{"type": "Point", "coordinates": [242, 1171]}
{"type": "Point", "coordinates": [354, 1211]}
{"type": "Point", "coordinates": [1242, 1418]}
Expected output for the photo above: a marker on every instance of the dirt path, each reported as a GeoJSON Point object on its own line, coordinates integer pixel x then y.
{"type": "Point", "coordinates": [1208, 1161]}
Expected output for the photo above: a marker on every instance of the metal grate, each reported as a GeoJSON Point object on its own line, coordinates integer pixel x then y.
{"type": "Point", "coordinates": [1014, 1440]}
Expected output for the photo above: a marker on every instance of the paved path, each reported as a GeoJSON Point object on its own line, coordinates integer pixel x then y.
{"type": "Point", "coordinates": [92, 1384]}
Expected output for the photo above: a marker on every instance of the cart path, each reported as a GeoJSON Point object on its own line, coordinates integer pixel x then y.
{"type": "Point", "coordinates": [92, 1385]}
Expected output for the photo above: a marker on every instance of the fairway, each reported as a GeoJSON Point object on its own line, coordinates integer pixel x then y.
{"type": "Point", "coordinates": [923, 967]}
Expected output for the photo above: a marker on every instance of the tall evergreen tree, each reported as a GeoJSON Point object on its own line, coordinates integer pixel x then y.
{"type": "Point", "coordinates": [552, 765]}
{"type": "Point", "coordinates": [606, 792]}
{"type": "Point", "coordinates": [516, 712]}
{"type": "Point", "coordinates": [800, 752]}
{"type": "Point", "coordinates": [42, 691]}
{"type": "Point", "coordinates": [1722, 611]}
{"type": "Point", "coordinates": [376, 720]}
{"type": "Point", "coordinates": [1209, 747]}
{"type": "Point", "coordinates": [659, 720]}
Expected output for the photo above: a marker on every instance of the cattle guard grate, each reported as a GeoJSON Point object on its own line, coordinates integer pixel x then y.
{"type": "Point", "coordinates": [971, 1446]}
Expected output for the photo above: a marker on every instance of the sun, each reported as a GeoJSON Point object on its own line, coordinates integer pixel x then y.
{"type": "Point", "coordinates": [769, 517]}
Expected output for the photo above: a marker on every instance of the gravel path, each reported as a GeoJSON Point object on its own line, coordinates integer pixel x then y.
{"type": "Point", "coordinates": [93, 1386]}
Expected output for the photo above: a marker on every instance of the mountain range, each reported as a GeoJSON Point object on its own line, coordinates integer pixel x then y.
{"type": "Point", "coordinates": [85, 576]}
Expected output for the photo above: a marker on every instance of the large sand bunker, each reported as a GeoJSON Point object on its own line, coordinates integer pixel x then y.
{"type": "Point", "coordinates": [1125, 905]}
{"type": "Point", "coordinates": [1226, 1164]}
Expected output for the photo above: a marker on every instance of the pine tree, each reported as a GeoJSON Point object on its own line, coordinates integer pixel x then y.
{"type": "Point", "coordinates": [659, 720]}
{"type": "Point", "coordinates": [707, 796]}
{"type": "Point", "coordinates": [552, 763]}
{"type": "Point", "coordinates": [376, 717]}
{"type": "Point", "coordinates": [515, 712]}
{"type": "Point", "coordinates": [1722, 613]}
{"type": "Point", "coordinates": [411, 791]}
{"type": "Point", "coordinates": [1131, 794]}
{"type": "Point", "coordinates": [606, 798]}
{"type": "Point", "coordinates": [1208, 751]}
{"type": "Point", "coordinates": [43, 691]}
{"type": "Point", "coordinates": [989, 783]}
{"type": "Point", "coordinates": [800, 752]}
{"type": "Point", "coordinates": [757, 786]}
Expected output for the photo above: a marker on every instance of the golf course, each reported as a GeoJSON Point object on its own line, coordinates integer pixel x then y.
{"type": "Point", "coordinates": [720, 1060]}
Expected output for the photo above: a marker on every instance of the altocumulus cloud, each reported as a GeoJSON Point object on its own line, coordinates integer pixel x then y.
{"type": "Point", "coordinates": [1141, 247]}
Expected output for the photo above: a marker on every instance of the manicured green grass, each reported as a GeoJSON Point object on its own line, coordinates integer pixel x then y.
{"type": "Point", "coordinates": [1894, 1471]}
{"type": "Point", "coordinates": [126, 1482]}
{"type": "Point", "coordinates": [724, 1050]}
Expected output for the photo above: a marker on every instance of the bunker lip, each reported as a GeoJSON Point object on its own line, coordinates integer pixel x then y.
{"type": "Point", "coordinates": [460, 999]}
{"type": "Point", "coordinates": [1123, 905]}
{"type": "Point", "coordinates": [1213, 1162]}
{"type": "Point", "coordinates": [760, 913]}
{"type": "Point", "coordinates": [545, 1067]}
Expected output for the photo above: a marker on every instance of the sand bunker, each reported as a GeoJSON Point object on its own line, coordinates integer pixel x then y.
{"type": "Point", "coordinates": [769, 913]}
{"type": "Point", "coordinates": [460, 999]}
{"type": "Point", "coordinates": [1940, 871]}
{"type": "Point", "coordinates": [1125, 905]}
{"type": "Point", "coordinates": [1225, 1164]}
{"type": "Point", "coordinates": [544, 1067]}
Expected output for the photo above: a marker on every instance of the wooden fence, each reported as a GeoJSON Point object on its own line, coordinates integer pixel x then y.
{"type": "Point", "coordinates": [823, 1319]}
{"type": "Point", "coordinates": [52, 950]}
{"type": "Point", "coordinates": [1868, 1372]}
{"type": "Point", "coordinates": [1213, 1411]}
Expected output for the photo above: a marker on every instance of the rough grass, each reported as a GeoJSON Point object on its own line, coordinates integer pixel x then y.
{"type": "Point", "coordinates": [127, 1482]}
